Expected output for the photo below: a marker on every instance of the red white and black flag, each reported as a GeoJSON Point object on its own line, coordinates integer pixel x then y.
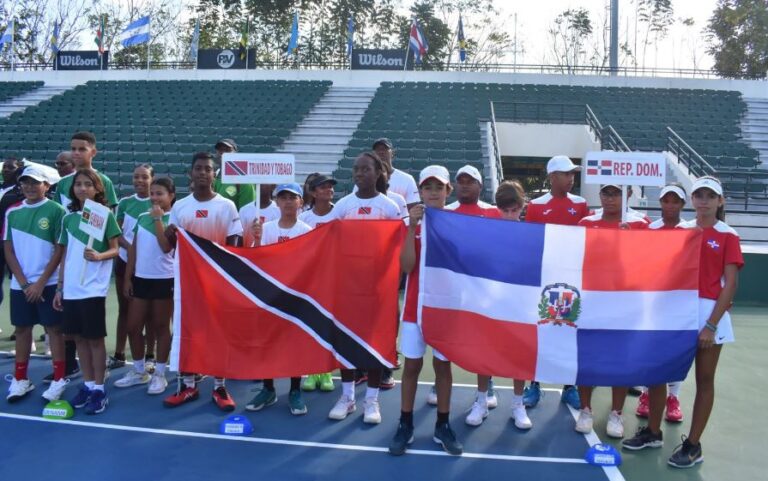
{"type": "Point", "coordinates": [323, 300]}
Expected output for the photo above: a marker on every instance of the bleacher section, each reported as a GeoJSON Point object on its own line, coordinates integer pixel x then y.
{"type": "Point", "coordinates": [8, 90]}
{"type": "Point", "coordinates": [161, 122]}
{"type": "Point", "coordinates": [432, 122]}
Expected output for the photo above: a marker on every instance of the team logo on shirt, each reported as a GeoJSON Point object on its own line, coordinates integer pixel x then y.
{"type": "Point", "coordinates": [283, 238]}
{"type": "Point", "coordinates": [560, 305]}
{"type": "Point", "coordinates": [231, 190]}
{"type": "Point", "coordinates": [547, 211]}
{"type": "Point", "coordinates": [572, 211]}
{"type": "Point", "coordinates": [364, 210]}
{"type": "Point", "coordinates": [713, 244]}
{"type": "Point", "coordinates": [44, 223]}
{"type": "Point", "coordinates": [201, 214]}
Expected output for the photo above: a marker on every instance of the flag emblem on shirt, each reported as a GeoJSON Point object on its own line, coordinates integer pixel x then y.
{"type": "Point", "coordinates": [86, 216]}
{"type": "Point", "coordinates": [599, 167]}
{"type": "Point", "coordinates": [283, 238]}
{"type": "Point", "coordinates": [201, 214]}
{"type": "Point", "coordinates": [713, 244]}
{"type": "Point", "coordinates": [364, 211]}
{"type": "Point", "coordinates": [236, 167]}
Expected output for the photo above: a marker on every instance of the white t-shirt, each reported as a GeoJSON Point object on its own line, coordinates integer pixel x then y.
{"type": "Point", "coordinates": [313, 220]}
{"type": "Point", "coordinates": [151, 261]}
{"type": "Point", "coordinates": [214, 219]}
{"type": "Point", "coordinates": [248, 215]}
{"type": "Point", "coordinates": [400, 201]}
{"type": "Point", "coordinates": [353, 207]}
{"type": "Point", "coordinates": [272, 233]}
{"type": "Point", "coordinates": [403, 184]}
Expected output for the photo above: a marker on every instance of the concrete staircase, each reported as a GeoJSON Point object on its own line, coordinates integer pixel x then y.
{"type": "Point", "coordinates": [754, 127]}
{"type": "Point", "coordinates": [319, 141]}
{"type": "Point", "coordinates": [21, 102]}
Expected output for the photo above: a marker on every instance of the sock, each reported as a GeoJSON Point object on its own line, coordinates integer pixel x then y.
{"type": "Point", "coordinates": [59, 369]}
{"type": "Point", "coordinates": [482, 396]}
{"type": "Point", "coordinates": [189, 381]}
{"type": "Point", "coordinates": [160, 368]}
{"type": "Point", "coordinates": [138, 366]}
{"type": "Point", "coordinates": [218, 382]}
{"type": "Point", "coordinates": [645, 389]}
{"type": "Point", "coordinates": [406, 418]}
{"type": "Point", "coordinates": [90, 385]}
{"type": "Point", "coordinates": [371, 393]}
{"type": "Point", "coordinates": [348, 389]}
{"type": "Point", "coordinates": [442, 418]}
{"type": "Point", "coordinates": [21, 370]}
{"type": "Point", "coordinates": [98, 387]}
{"type": "Point", "coordinates": [674, 388]}
{"type": "Point", "coordinates": [295, 383]}
{"type": "Point", "coordinates": [269, 384]}
{"type": "Point", "coordinates": [517, 401]}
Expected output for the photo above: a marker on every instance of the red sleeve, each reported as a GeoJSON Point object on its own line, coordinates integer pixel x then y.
{"type": "Point", "coordinates": [585, 212]}
{"type": "Point", "coordinates": [733, 251]}
{"type": "Point", "coordinates": [583, 222]}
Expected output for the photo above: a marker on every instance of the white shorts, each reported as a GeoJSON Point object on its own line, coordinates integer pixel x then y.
{"type": "Point", "coordinates": [412, 343]}
{"type": "Point", "coordinates": [724, 331]}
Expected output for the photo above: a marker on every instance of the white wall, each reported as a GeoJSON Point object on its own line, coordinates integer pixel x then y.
{"type": "Point", "coordinates": [372, 78]}
{"type": "Point", "coordinates": [545, 140]}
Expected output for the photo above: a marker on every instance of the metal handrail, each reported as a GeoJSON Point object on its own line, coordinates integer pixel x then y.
{"type": "Point", "coordinates": [688, 156]}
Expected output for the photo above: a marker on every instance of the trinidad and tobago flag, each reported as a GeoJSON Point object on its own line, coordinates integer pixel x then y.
{"type": "Point", "coordinates": [324, 300]}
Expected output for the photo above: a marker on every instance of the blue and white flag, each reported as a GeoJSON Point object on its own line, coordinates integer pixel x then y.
{"type": "Point", "coordinates": [293, 44]}
{"type": "Point", "coordinates": [350, 34]}
{"type": "Point", "coordinates": [8, 35]}
{"type": "Point", "coordinates": [55, 38]}
{"type": "Point", "coordinates": [195, 42]}
{"type": "Point", "coordinates": [136, 33]}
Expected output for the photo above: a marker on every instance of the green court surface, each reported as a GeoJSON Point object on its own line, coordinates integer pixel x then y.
{"type": "Point", "coordinates": [732, 442]}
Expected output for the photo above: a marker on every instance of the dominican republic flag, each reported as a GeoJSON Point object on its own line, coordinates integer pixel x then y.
{"type": "Point", "coordinates": [418, 42]}
{"type": "Point", "coordinates": [560, 304]}
{"type": "Point", "coordinates": [321, 301]}
{"type": "Point", "coordinates": [136, 33]}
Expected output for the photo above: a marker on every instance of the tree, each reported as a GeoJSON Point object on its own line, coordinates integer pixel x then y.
{"type": "Point", "coordinates": [738, 38]}
{"type": "Point", "coordinates": [570, 33]}
{"type": "Point", "coordinates": [658, 16]}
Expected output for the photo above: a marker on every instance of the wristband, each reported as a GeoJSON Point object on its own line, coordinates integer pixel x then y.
{"type": "Point", "coordinates": [711, 326]}
{"type": "Point", "coordinates": [59, 289]}
{"type": "Point", "coordinates": [24, 287]}
{"type": "Point", "coordinates": [157, 219]}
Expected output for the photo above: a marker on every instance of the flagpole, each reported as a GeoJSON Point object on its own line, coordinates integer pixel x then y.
{"type": "Point", "coordinates": [149, 43]}
{"type": "Point", "coordinates": [247, 34]}
{"type": "Point", "coordinates": [13, 44]}
{"type": "Point", "coordinates": [408, 48]}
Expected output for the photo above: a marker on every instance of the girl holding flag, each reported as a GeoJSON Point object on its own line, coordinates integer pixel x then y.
{"type": "Point", "coordinates": [721, 259]}
{"type": "Point", "coordinates": [84, 276]}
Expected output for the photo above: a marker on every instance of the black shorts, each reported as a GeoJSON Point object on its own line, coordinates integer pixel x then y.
{"type": "Point", "coordinates": [85, 317]}
{"type": "Point", "coordinates": [151, 289]}
{"type": "Point", "coordinates": [25, 314]}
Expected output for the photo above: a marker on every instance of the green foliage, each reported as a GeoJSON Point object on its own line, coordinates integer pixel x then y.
{"type": "Point", "coordinates": [738, 36]}
{"type": "Point", "coordinates": [543, 308]}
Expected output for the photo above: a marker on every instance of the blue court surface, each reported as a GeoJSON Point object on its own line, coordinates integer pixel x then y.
{"type": "Point", "coordinates": [138, 439]}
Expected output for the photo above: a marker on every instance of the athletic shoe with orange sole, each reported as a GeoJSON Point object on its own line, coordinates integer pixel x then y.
{"type": "Point", "coordinates": [223, 400]}
{"type": "Point", "coordinates": [188, 394]}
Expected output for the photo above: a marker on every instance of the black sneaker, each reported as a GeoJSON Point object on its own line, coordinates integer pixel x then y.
{"type": "Point", "coordinates": [115, 363]}
{"type": "Point", "coordinates": [403, 437]}
{"type": "Point", "coordinates": [686, 455]}
{"type": "Point", "coordinates": [74, 373]}
{"type": "Point", "coordinates": [635, 391]}
{"type": "Point", "coordinates": [445, 437]}
{"type": "Point", "coordinates": [643, 438]}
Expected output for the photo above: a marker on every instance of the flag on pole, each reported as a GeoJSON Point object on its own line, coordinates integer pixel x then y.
{"type": "Point", "coordinates": [561, 304]}
{"type": "Point", "coordinates": [55, 38]}
{"type": "Point", "coordinates": [136, 33]}
{"type": "Point", "coordinates": [7, 35]}
{"type": "Point", "coordinates": [350, 34]}
{"type": "Point", "coordinates": [99, 39]}
{"type": "Point", "coordinates": [282, 310]}
{"type": "Point", "coordinates": [418, 42]}
{"type": "Point", "coordinates": [462, 41]}
{"type": "Point", "coordinates": [243, 49]}
{"type": "Point", "coordinates": [293, 44]}
{"type": "Point", "coordinates": [193, 47]}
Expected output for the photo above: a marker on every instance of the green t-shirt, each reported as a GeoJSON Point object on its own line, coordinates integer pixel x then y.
{"type": "Point", "coordinates": [128, 210]}
{"type": "Point", "coordinates": [62, 189]}
{"type": "Point", "coordinates": [240, 194]}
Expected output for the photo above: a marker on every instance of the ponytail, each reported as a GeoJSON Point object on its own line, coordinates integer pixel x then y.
{"type": "Point", "coordinates": [381, 181]}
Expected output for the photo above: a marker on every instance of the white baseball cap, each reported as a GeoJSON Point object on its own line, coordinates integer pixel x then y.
{"type": "Point", "coordinates": [470, 171]}
{"type": "Point", "coordinates": [707, 183]}
{"type": "Point", "coordinates": [40, 173]}
{"type": "Point", "coordinates": [561, 163]}
{"type": "Point", "coordinates": [673, 189]}
{"type": "Point", "coordinates": [435, 171]}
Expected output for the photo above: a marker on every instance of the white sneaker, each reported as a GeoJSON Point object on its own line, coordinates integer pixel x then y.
{"type": "Point", "coordinates": [522, 421]}
{"type": "Point", "coordinates": [56, 389]}
{"type": "Point", "coordinates": [47, 346]}
{"type": "Point", "coordinates": [372, 412]}
{"type": "Point", "coordinates": [432, 396]}
{"type": "Point", "coordinates": [477, 414]}
{"type": "Point", "coordinates": [615, 428]}
{"type": "Point", "coordinates": [19, 389]}
{"type": "Point", "coordinates": [493, 400]}
{"type": "Point", "coordinates": [132, 378]}
{"type": "Point", "coordinates": [584, 423]}
{"type": "Point", "coordinates": [344, 406]}
{"type": "Point", "coordinates": [157, 384]}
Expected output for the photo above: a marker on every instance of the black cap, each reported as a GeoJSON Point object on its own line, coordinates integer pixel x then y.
{"type": "Point", "coordinates": [226, 142]}
{"type": "Point", "coordinates": [322, 179]}
{"type": "Point", "coordinates": [384, 141]}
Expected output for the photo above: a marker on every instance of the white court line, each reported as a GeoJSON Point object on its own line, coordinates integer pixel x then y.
{"type": "Point", "coordinates": [612, 472]}
{"type": "Point", "coordinates": [286, 442]}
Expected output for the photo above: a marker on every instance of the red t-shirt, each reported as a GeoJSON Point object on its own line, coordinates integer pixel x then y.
{"type": "Point", "coordinates": [481, 209]}
{"type": "Point", "coordinates": [719, 247]}
{"type": "Point", "coordinates": [410, 306]}
{"type": "Point", "coordinates": [596, 221]}
{"type": "Point", "coordinates": [548, 209]}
